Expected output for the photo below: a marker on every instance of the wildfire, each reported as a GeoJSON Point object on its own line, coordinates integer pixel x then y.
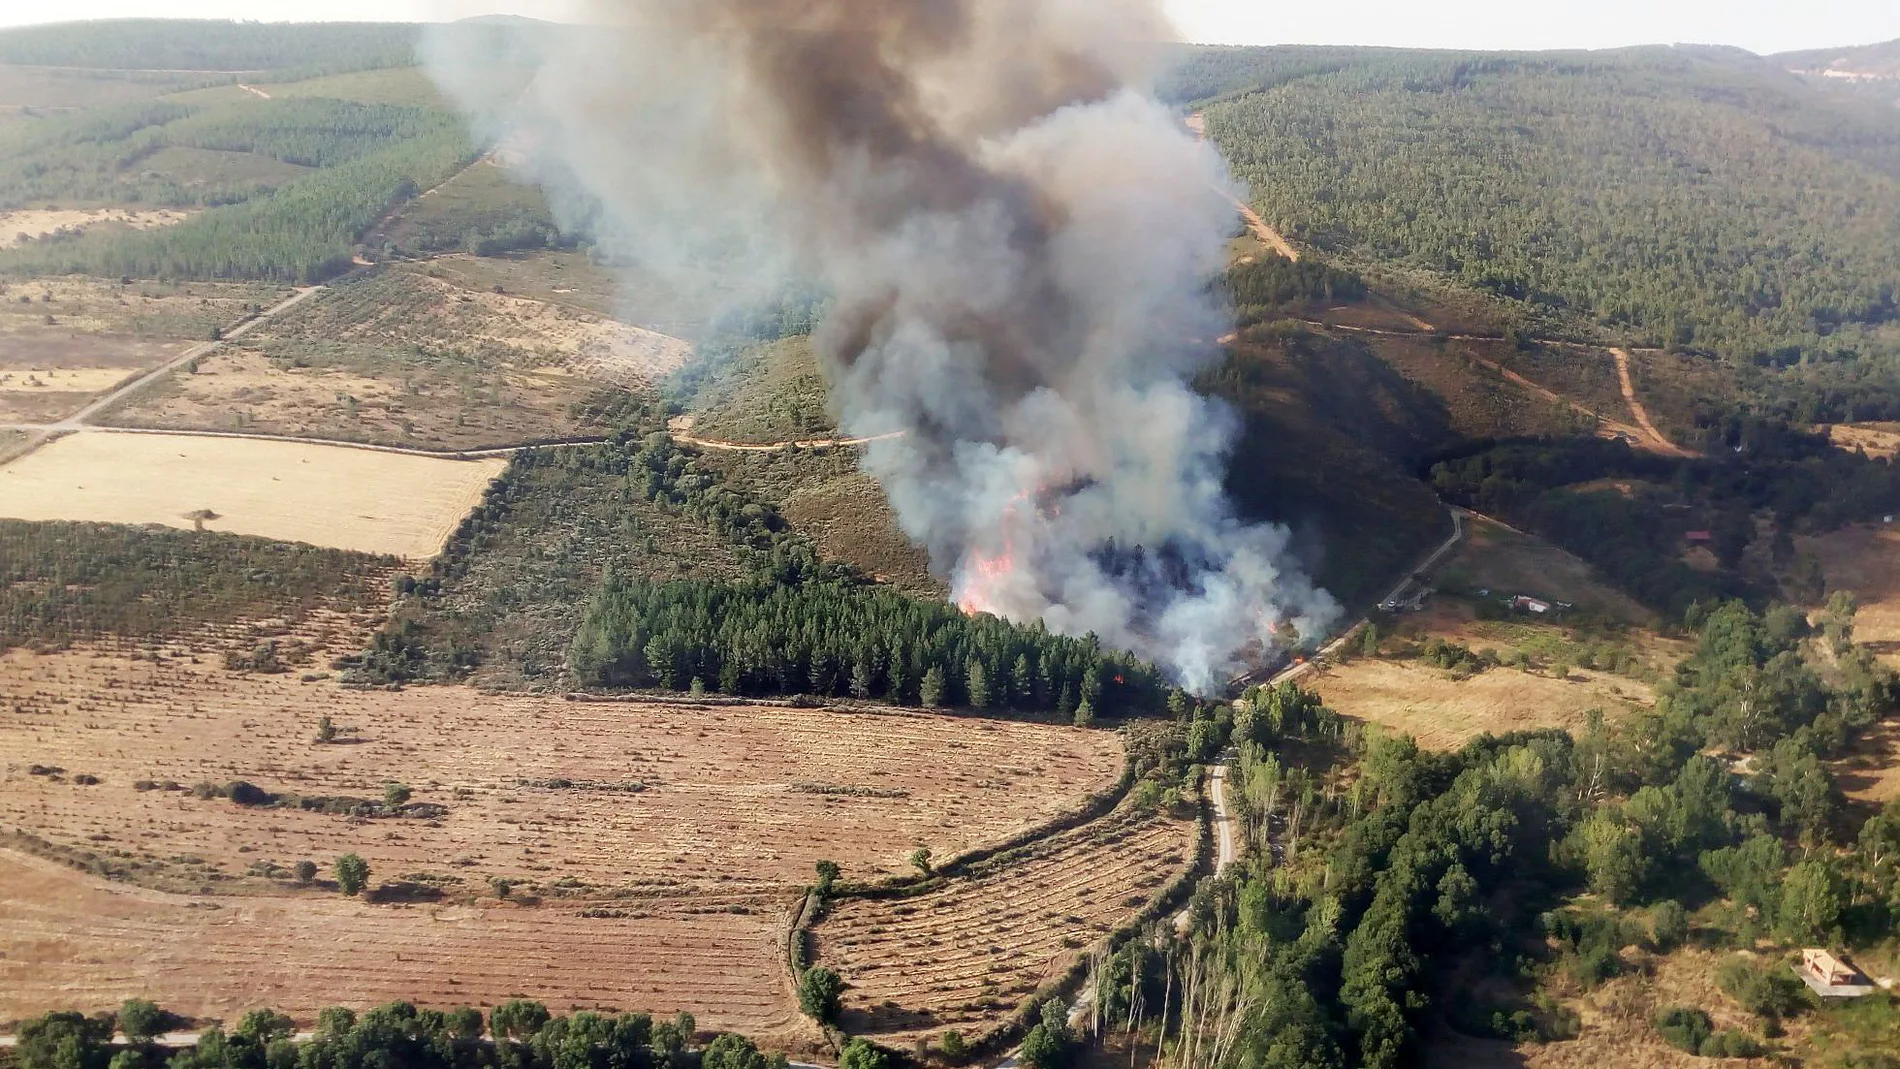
{"type": "Point", "coordinates": [979, 585]}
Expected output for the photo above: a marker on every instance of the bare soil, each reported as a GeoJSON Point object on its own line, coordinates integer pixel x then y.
{"type": "Point", "coordinates": [324, 495]}
{"type": "Point", "coordinates": [1879, 440]}
{"type": "Point", "coordinates": [1866, 560]}
{"type": "Point", "coordinates": [30, 224]}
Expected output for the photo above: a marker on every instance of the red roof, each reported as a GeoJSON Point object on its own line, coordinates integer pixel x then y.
{"type": "Point", "coordinates": [1700, 536]}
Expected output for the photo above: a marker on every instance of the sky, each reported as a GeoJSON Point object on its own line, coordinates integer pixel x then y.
{"type": "Point", "coordinates": [1757, 25]}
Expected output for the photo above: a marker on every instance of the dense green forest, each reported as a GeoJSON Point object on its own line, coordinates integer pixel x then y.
{"type": "Point", "coordinates": [212, 45]}
{"type": "Point", "coordinates": [1405, 889]}
{"type": "Point", "coordinates": [1698, 199]}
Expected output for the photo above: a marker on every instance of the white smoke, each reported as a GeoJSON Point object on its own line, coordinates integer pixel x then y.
{"type": "Point", "coordinates": [1018, 240]}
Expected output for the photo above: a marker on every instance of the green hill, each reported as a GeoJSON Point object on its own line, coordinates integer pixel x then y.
{"type": "Point", "coordinates": [1698, 199]}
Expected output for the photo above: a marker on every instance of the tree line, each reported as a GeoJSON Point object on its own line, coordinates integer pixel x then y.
{"type": "Point", "coordinates": [518, 1034]}
{"type": "Point", "coordinates": [212, 45]}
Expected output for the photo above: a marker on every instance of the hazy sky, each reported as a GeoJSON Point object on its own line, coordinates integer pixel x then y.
{"type": "Point", "coordinates": [1759, 25]}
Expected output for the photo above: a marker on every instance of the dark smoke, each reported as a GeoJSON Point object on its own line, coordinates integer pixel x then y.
{"type": "Point", "coordinates": [1017, 240]}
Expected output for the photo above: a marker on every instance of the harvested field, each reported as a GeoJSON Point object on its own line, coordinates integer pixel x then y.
{"type": "Point", "coordinates": [324, 495]}
{"type": "Point", "coordinates": [70, 940]}
{"type": "Point", "coordinates": [1866, 560]}
{"type": "Point", "coordinates": [670, 896]}
{"type": "Point", "coordinates": [60, 89]}
{"type": "Point", "coordinates": [968, 952]}
{"type": "Point", "coordinates": [1442, 713]}
{"type": "Point", "coordinates": [28, 224]}
{"type": "Point", "coordinates": [734, 797]}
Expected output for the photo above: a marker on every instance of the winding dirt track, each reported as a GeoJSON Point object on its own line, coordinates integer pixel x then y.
{"type": "Point", "coordinates": [1656, 438]}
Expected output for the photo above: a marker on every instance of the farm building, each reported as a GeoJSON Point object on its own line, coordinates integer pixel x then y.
{"type": "Point", "coordinates": [1830, 977]}
{"type": "Point", "coordinates": [1525, 603]}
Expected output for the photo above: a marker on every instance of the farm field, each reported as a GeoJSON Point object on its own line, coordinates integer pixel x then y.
{"type": "Point", "coordinates": [67, 939]}
{"type": "Point", "coordinates": [537, 789]}
{"type": "Point", "coordinates": [324, 495]}
{"type": "Point", "coordinates": [965, 954]}
{"type": "Point", "coordinates": [671, 895]}
{"type": "Point", "coordinates": [402, 358]}
{"type": "Point", "coordinates": [43, 90]}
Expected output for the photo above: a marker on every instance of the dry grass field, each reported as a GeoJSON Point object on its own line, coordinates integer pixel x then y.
{"type": "Point", "coordinates": [965, 954]}
{"type": "Point", "coordinates": [63, 341]}
{"type": "Point", "coordinates": [1874, 439]}
{"type": "Point", "coordinates": [324, 495]}
{"type": "Point", "coordinates": [1866, 560]}
{"type": "Point", "coordinates": [28, 224]}
{"type": "Point", "coordinates": [403, 358]}
{"type": "Point", "coordinates": [672, 894]}
{"type": "Point", "coordinates": [1443, 713]}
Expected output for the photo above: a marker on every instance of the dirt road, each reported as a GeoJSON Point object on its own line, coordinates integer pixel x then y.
{"type": "Point", "coordinates": [1398, 593]}
{"type": "Point", "coordinates": [1226, 852]}
{"type": "Point", "coordinates": [1273, 239]}
{"type": "Point", "coordinates": [1649, 433]}
{"type": "Point", "coordinates": [780, 447]}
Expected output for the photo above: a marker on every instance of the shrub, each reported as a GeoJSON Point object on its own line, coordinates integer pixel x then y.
{"type": "Point", "coordinates": [1668, 925]}
{"type": "Point", "coordinates": [141, 1021]}
{"type": "Point", "coordinates": [1684, 1028]}
{"type": "Point", "coordinates": [953, 1044]}
{"type": "Point", "coordinates": [819, 991]}
{"type": "Point", "coordinates": [306, 871]}
{"type": "Point", "coordinates": [1771, 991]}
{"type": "Point", "coordinates": [352, 873]}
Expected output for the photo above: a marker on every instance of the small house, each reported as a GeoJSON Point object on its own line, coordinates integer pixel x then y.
{"type": "Point", "coordinates": [1699, 537]}
{"type": "Point", "coordinates": [1830, 977]}
{"type": "Point", "coordinates": [1524, 603]}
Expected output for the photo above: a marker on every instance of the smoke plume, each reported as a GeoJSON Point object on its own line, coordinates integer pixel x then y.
{"type": "Point", "coordinates": [1017, 240]}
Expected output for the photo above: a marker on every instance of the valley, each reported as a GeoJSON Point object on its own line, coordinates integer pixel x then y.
{"type": "Point", "coordinates": [400, 574]}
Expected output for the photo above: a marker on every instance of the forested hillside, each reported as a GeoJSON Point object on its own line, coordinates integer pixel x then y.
{"type": "Point", "coordinates": [1880, 61]}
{"type": "Point", "coordinates": [211, 45]}
{"type": "Point", "coordinates": [1701, 199]}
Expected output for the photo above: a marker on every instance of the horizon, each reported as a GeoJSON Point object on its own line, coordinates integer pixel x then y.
{"type": "Point", "coordinates": [1463, 25]}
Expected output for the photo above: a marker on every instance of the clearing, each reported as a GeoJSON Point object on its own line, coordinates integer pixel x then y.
{"type": "Point", "coordinates": [1508, 562]}
{"type": "Point", "coordinates": [1443, 713]}
{"type": "Point", "coordinates": [298, 492]}
{"type": "Point", "coordinates": [1874, 439]}
{"type": "Point", "coordinates": [654, 849]}
{"type": "Point", "coordinates": [1866, 560]}
{"type": "Point", "coordinates": [966, 953]}
{"type": "Point", "coordinates": [29, 224]}
{"type": "Point", "coordinates": [399, 357]}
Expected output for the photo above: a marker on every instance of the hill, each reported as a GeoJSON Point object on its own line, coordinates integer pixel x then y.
{"type": "Point", "coordinates": [1696, 199]}
{"type": "Point", "coordinates": [1860, 62]}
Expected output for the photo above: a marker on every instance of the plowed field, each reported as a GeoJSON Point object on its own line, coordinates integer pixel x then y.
{"type": "Point", "coordinates": [964, 955]}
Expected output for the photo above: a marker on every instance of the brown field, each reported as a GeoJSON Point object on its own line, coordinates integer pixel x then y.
{"type": "Point", "coordinates": [63, 341]}
{"type": "Point", "coordinates": [687, 879]}
{"type": "Point", "coordinates": [968, 952]}
{"type": "Point", "coordinates": [1866, 560]}
{"type": "Point", "coordinates": [28, 224]}
{"type": "Point", "coordinates": [69, 940]}
{"type": "Point", "coordinates": [403, 358]}
{"type": "Point", "coordinates": [1874, 439]}
{"type": "Point", "coordinates": [324, 495]}
{"type": "Point", "coordinates": [1442, 713]}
